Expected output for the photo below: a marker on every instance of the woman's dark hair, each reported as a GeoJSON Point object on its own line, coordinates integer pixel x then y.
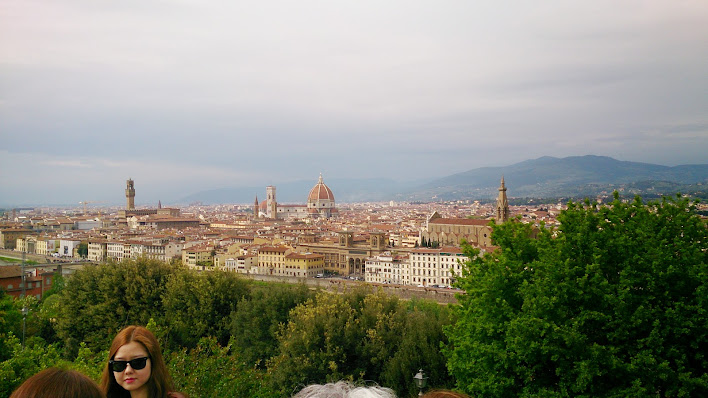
{"type": "Point", "coordinates": [58, 383]}
{"type": "Point", "coordinates": [159, 383]}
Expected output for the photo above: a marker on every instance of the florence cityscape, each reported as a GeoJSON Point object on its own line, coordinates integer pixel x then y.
{"type": "Point", "coordinates": [396, 199]}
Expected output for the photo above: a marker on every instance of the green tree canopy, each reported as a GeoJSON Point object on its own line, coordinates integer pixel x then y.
{"type": "Point", "coordinates": [100, 300]}
{"type": "Point", "coordinates": [257, 320]}
{"type": "Point", "coordinates": [210, 370]}
{"type": "Point", "coordinates": [611, 303]}
{"type": "Point", "coordinates": [10, 318]}
{"type": "Point", "coordinates": [82, 249]}
{"type": "Point", "coordinates": [199, 304]}
{"type": "Point", "coordinates": [360, 337]}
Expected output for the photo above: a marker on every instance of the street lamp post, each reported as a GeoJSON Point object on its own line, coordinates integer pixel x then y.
{"type": "Point", "coordinates": [24, 281]}
{"type": "Point", "coordinates": [420, 380]}
{"type": "Point", "coordinates": [25, 310]}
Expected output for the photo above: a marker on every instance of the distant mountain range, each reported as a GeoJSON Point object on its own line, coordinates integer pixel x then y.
{"type": "Point", "coordinates": [546, 177]}
{"type": "Point", "coordinates": [576, 176]}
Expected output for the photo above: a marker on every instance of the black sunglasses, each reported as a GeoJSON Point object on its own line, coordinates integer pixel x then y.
{"type": "Point", "coordinates": [119, 366]}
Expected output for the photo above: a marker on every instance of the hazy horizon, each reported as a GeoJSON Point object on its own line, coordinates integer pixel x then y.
{"type": "Point", "coordinates": [186, 96]}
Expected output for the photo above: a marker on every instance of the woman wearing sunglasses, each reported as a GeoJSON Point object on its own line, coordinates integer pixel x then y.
{"type": "Point", "coordinates": [135, 367]}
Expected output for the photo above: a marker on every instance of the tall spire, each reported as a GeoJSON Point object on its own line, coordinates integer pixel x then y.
{"type": "Point", "coordinates": [255, 208]}
{"type": "Point", "coordinates": [502, 211]}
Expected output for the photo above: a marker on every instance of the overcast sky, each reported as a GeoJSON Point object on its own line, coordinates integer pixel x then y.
{"type": "Point", "coordinates": [186, 95]}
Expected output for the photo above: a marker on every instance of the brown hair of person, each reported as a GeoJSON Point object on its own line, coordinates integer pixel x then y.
{"type": "Point", "coordinates": [444, 394]}
{"type": "Point", "coordinates": [159, 383]}
{"type": "Point", "coordinates": [58, 383]}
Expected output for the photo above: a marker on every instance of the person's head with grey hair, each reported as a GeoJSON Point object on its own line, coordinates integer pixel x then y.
{"type": "Point", "coordinates": [344, 389]}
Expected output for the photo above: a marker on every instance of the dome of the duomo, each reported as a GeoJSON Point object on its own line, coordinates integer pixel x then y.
{"type": "Point", "coordinates": [320, 201]}
{"type": "Point", "coordinates": [320, 192]}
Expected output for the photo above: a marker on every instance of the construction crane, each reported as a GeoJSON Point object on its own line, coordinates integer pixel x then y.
{"type": "Point", "coordinates": [88, 202]}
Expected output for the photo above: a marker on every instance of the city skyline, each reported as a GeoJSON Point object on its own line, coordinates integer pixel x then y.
{"type": "Point", "coordinates": [186, 96]}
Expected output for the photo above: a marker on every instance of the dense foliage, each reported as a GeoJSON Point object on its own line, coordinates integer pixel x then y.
{"type": "Point", "coordinates": [256, 322]}
{"type": "Point", "coordinates": [223, 335]}
{"type": "Point", "coordinates": [198, 305]}
{"type": "Point", "coordinates": [614, 303]}
{"type": "Point", "coordinates": [98, 301]}
{"type": "Point", "coordinates": [360, 337]}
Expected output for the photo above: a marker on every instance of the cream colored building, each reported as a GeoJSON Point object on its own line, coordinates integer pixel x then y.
{"type": "Point", "coordinates": [388, 268]}
{"type": "Point", "coordinates": [230, 252]}
{"type": "Point", "coordinates": [303, 265]}
{"type": "Point", "coordinates": [117, 251]}
{"type": "Point", "coordinates": [173, 250]}
{"type": "Point", "coordinates": [26, 244]}
{"type": "Point", "coordinates": [156, 251]}
{"type": "Point", "coordinates": [242, 264]}
{"type": "Point", "coordinates": [271, 259]}
{"type": "Point", "coordinates": [409, 240]}
{"type": "Point", "coordinates": [200, 257]}
{"type": "Point", "coordinates": [436, 266]}
{"type": "Point", "coordinates": [97, 249]}
{"type": "Point", "coordinates": [46, 246]}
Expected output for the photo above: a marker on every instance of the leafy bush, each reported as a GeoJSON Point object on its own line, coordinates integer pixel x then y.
{"type": "Point", "coordinates": [611, 303]}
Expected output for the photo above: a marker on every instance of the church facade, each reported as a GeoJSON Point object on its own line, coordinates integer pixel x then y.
{"type": "Point", "coordinates": [478, 233]}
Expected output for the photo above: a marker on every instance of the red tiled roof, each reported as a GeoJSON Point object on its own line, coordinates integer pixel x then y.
{"type": "Point", "coordinates": [320, 192]}
{"type": "Point", "coordinates": [446, 249]}
{"type": "Point", "coordinates": [459, 221]}
{"type": "Point", "coordinates": [10, 271]}
{"type": "Point", "coordinates": [279, 249]}
{"type": "Point", "coordinates": [304, 255]}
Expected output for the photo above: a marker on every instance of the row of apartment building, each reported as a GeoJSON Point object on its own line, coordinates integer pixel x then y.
{"type": "Point", "coordinates": [417, 267]}
{"type": "Point", "coordinates": [366, 256]}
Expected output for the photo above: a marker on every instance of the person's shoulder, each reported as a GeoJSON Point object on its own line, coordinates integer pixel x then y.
{"type": "Point", "coordinates": [175, 394]}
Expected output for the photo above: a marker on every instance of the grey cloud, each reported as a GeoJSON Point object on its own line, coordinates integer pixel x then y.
{"type": "Point", "coordinates": [280, 90]}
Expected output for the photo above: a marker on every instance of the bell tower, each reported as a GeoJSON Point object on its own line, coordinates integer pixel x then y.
{"type": "Point", "coordinates": [272, 205]}
{"type": "Point", "coordinates": [130, 195]}
{"type": "Point", "coordinates": [502, 212]}
{"type": "Point", "coordinates": [377, 240]}
{"type": "Point", "coordinates": [346, 238]}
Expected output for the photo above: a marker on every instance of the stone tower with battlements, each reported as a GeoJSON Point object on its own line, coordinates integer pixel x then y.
{"type": "Point", "coordinates": [130, 195]}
